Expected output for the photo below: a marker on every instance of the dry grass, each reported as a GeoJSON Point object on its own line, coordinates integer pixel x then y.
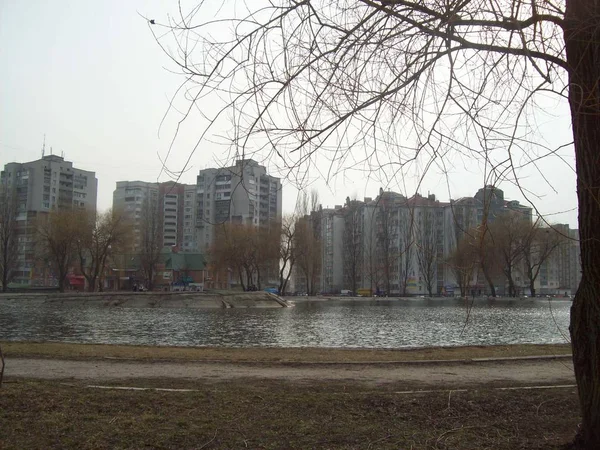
{"type": "Point", "coordinates": [68, 351]}
{"type": "Point", "coordinates": [275, 415]}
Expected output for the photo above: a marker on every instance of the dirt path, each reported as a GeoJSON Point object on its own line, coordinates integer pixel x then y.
{"type": "Point", "coordinates": [440, 375]}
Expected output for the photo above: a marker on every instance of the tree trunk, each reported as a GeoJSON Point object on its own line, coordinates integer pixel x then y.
{"type": "Point", "coordinates": [582, 39]}
{"type": "Point", "coordinates": [511, 287]}
{"type": "Point", "coordinates": [4, 280]}
{"type": "Point", "coordinates": [151, 279]}
{"type": "Point", "coordinates": [489, 280]}
{"type": "Point", "coordinates": [258, 278]}
{"type": "Point", "coordinates": [61, 285]}
{"type": "Point", "coordinates": [241, 275]}
{"type": "Point", "coordinates": [91, 284]}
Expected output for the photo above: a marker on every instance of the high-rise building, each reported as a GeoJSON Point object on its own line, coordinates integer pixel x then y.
{"type": "Point", "coordinates": [567, 259]}
{"type": "Point", "coordinates": [129, 199]}
{"type": "Point", "coordinates": [332, 237]}
{"type": "Point", "coordinates": [173, 203]}
{"type": "Point", "coordinates": [41, 186]}
{"type": "Point", "coordinates": [490, 202]}
{"type": "Point", "coordinates": [243, 193]}
{"type": "Point", "coordinates": [400, 246]}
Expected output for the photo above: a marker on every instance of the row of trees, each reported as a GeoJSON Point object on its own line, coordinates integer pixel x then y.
{"type": "Point", "coordinates": [63, 239]}
{"type": "Point", "coordinates": [258, 254]}
{"type": "Point", "coordinates": [82, 239]}
{"type": "Point", "coordinates": [501, 249]}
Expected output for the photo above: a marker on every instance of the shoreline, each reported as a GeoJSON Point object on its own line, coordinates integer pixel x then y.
{"type": "Point", "coordinates": [193, 300]}
{"type": "Point", "coordinates": [298, 355]}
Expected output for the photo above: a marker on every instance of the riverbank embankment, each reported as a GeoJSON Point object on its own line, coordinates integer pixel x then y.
{"type": "Point", "coordinates": [199, 300]}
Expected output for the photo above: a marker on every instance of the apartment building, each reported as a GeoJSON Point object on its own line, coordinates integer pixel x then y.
{"type": "Point", "coordinates": [41, 186]}
{"type": "Point", "coordinates": [242, 193]}
{"type": "Point", "coordinates": [170, 202]}
{"type": "Point", "coordinates": [130, 198]}
{"type": "Point", "coordinates": [561, 273]}
{"type": "Point", "coordinates": [490, 202]}
{"type": "Point", "coordinates": [332, 237]}
{"type": "Point", "coordinates": [190, 205]}
{"type": "Point", "coordinates": [402, 246]}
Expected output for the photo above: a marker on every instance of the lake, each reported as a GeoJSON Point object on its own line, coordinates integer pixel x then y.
{"type": "Point", "coordinates": [356, 323]}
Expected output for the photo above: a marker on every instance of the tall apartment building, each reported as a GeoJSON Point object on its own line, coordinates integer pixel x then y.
{"type": "Point", "coordinates": [566, 261]}
{"type": "Point", "coordinates": [332, 237]}
{"type": "Point", "coordinates": [41, 186]}
{"type": "Point", "coordinates": [490, 202]}
{"type": "Point", "coordinates": [400, 245]}
{"type": "Point", "coordinates": [129, 198]}
{"type": "Point", "coordinates": [243, 193]}
{"type": "Point", "coordinates": [173, 203]}
{"type": "Point", "coordinates": [430, 230]}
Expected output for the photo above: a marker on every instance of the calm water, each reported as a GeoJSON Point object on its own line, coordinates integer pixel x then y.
{"type": "Point", "coordinates": [335, 323]}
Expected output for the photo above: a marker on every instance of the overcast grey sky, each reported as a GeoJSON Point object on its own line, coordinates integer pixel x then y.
{"type": "Point", "coordinates": [90, 76]}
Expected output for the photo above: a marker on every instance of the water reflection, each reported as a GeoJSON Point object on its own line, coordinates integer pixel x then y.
{"type": "Point", "coordinates": [337, 323]}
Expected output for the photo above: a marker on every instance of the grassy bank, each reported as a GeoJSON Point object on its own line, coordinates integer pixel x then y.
{"type": "Point", "coordinates": [65, 350]}
{"type": "Point", "coordinates": [275, 415]}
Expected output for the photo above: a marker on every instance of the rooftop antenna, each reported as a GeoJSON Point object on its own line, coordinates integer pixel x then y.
{"type": "Point", "coordinates": [62, 154]}
{"type": "Point", "coordinates": [50, 150]}
{"type": "Point", "coordinates": [44, 146]}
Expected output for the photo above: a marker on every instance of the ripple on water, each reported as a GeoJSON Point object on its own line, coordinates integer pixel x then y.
{"type": "Point", "coordinates": [336, 323]}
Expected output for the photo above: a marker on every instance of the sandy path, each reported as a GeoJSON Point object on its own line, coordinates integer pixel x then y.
{"type": "Point", "coordinates": [456, 374]}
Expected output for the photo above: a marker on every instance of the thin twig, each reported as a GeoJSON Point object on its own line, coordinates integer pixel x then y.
{"type": "Point", "coordinates": [208, 442]}
{"type": "Point", "coordinates": [379, 440]}
{"type": "Point", "coordinates": [454, 430]}
{"type": "Point", "coordinates": [537, 410]}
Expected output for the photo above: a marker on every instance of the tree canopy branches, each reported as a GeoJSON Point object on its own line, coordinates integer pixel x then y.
{"type": "Point", "coordinates": [387, 84]}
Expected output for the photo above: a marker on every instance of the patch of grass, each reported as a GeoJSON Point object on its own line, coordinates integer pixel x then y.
{"type": "Point", "coordinates": [67, 351]}
{"type": "Point", "coordinates": [275, 415]}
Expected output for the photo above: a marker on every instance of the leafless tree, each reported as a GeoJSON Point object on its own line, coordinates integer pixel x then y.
{"type": "Point", "coordinates": [464, 261]}
{"type": "Point", "coordinates": [56, 241]}
{"type": "Point", "coordinates": [264, 250]}
{"type": "Point", "coordinates": [231, 250]}
{"type": "Point", "coordinates": [99, 235]}
{"type": "Point", "coordinates": [287, 251]}
{"type": "Point", "coordinates": [374, 264]}
{"type": "Point", "coordinates": [508, 233]}
{"type": "Point", "coordinates": [387, 239]}
{"type": "Point", "coordinates": [150, 239]}
{"type": "Point", "coordinates": [353, 244]}
{"type": "Point", "coordinates": [307, 242]}
{"type": "Point", "coordinates": [8, 233]}
{"type": "Point", "coordinates": [539, 245]}
{"type": "Point", "coordinates": [406, 241]}
{"type": "Point", "coordinates": [488, 257]}
{"type": "Point", "coordinates": [426, 247]}
{"type": "Point", "coordinates": [305, 80]}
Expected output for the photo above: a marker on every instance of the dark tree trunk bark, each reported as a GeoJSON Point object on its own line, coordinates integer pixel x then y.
{"type": "Point", "coordinates": [91, 284]}
{"type": "Point", "coordinates": [582, 39]}
{"type": "Point", "coordinates": [241, 279]}
{"type": "Point", "coordinates": [489, 280]}
{"type": "Point", "coordinates": [151, 279]}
